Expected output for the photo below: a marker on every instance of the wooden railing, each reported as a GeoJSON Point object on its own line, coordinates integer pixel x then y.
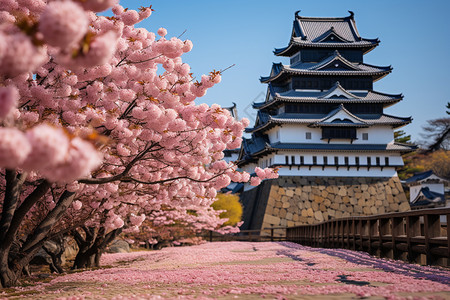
{"type": "Point", "coordinates": [419, 236]}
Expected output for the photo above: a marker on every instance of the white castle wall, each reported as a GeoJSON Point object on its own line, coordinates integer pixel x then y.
{"type": "Point", "coordinates": [295, 133]}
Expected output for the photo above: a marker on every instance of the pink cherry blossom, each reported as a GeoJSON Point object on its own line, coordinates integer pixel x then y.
{"type": "Point", "coordinates": [14, 147]}
{"type": "Point", "coordinates": [8, 100]}
{"type": "Point", "coordinates": [63, 23]}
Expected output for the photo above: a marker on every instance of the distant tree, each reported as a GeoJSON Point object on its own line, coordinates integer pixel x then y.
{"type": "Point", "coordinates": [401, 137]}
{"type": "Point", "coordinates": [231, 206]}
{"type": "Point", "coordinates": [448, 107]}
{"type": "Point", "coordinates": [436, 134]}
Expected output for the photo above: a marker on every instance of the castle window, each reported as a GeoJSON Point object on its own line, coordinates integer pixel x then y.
{"type": "Point", "coordinates": [346, 160]}
{"type": "Point", "coordinates": [302, 160]}
{"type": "Point", "coordinates": [308, 135]}
{"type": "Point", "coordinates": [357, 161]}
{"type": "Point", "coordinates": [365, 136]}
{"type": "Point", "coordinates": [377, 161]}
{"type": "Point", "coordinates": [369, 161]}
{"type": "Point", "coordinates": [336, 160]}
{"type": "Point", "coordinates": [338, 133]}
{"type": "Point", "coordinates": [286, 158]}
{"type": "Point", "coordinates": [325, 160]}
{"type": "Point", "coordinates": [315, 160]}
{"type": "Point", "coordinates": [293, 160]}
{"type": "Point", "coordinates": [386, 161]}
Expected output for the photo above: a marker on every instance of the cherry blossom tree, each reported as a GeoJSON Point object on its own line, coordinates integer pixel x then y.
{"type": "Point", "coordinates": [99, 128]}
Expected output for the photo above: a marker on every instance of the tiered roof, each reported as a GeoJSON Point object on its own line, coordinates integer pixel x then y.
{"type": "Point", "coordinates": [334, 65]}
{"type": "Point", "coordinates": [339, 34]}
{"type": "Point", "coordinates": [325, 33]}
{"type": "Point", "coordinates": [336, 94]}
{"type": "Point", "coordinates": [265, 121]}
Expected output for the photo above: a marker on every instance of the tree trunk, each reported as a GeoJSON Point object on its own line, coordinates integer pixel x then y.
{"type": "Point", "coordinates": [92, 246]}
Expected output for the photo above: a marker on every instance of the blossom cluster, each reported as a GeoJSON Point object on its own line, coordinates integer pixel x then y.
{"type": "Point", "coordinates": [107, 111]}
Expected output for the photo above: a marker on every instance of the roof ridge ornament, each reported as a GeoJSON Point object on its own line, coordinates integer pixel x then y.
{"type": "Point", "coordinates": [352, 14]}
{"type": "Point", "coordinates": [296, 14]}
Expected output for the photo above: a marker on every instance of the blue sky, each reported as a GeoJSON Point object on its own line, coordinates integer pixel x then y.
{"type": "Point", "coordinates": [414, 35]}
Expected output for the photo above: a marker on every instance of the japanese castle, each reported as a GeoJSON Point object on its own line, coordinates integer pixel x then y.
{"type": "Point", "coordinates": [324, 127]}
{"type": "Point", "coordinates": [321, 116]}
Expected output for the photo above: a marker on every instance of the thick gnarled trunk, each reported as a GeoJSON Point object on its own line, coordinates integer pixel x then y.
{"type": "Point", "coordinates": [92, 245]}
{"type": "Point", "coordinates": [14, 255]}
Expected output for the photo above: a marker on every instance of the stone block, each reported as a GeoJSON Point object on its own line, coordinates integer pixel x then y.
{"type": "Point", "coordinates": [278, 204]}
{"type": "Point", "coordinates": [310, 220]}
{"type": "Point", "coordinates": [395, 191]}
{"type": "Point", "coordinates": [378, 203]}
{"type": "Point", "coordinates": [353, 201]}
{"type": "Point", "coordinates": [322, 207]}
{"type": "Point", "coordinates": [315, 206]}
{"type": "Point", "coordinates": [295, 217]}
{"type": "Point", "coordinates": [310, 212]}
{"type": "Point", "coordinates": [273, 220]}
{"type": "Point", "coordinates": [318, 199]}
{"type": "Point", "coordinates": [306, 188]}
{"type": "Point", "coordinates": [364, 187]}
{"type": "Point", "coordinates": [373, 210]}
{"type": "Point", "coordinates": [372, 190]}
{"type": "Point", "coordinates": [283, 213]}
{"type": "Point", "coordinates": [393, 207]}
{"type": "Point", "coordinates": [289, 216]}
{"type": "Point", "coordinates": [324, 194]}
{"type": "Point", "coordinates": [331, 212]}
{"type": "Point", "coordinates": [402, 197]}
{"type": "Point", "coordinates": [289, 192]}
{"type": "Point", "coordinates": [404, 207]}
{"type": "Point", "coordinates": [303, 219]}
{"type": "Point", "coordinates": [318, 216]}
{"type": "Point", "coordinates": [286, 205]}
{"type": "Point", "coordinates": [327, 202]}
{"type": "Point", "coordinates": [342, 191]}
{"type": "Point", "coordinates": [390, 198]}
{"type": "Point", "coordinates": [276, 211]}
{"type": "Point", "coordinates": [345, 199]}
{"type": "Point", "coordinates": [334, 205]}
{"type": "Point", "coordinates": [366, 210]}
{"type": "Point", "coordinates": [304, 213]}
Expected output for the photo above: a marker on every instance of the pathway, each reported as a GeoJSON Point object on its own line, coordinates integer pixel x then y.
{"type": "Point", "coordinates": [244, 270]}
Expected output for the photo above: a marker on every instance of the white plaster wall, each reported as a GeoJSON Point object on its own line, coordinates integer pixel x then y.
{"type": "Point", "coordinates": [297, 134]}
{"type": "Point", "coordinates": [341, 172]}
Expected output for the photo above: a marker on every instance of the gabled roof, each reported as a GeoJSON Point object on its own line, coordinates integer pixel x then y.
{"type": "Point", "coordinates": [427, 197]}
{"type": "Point", "coordinates": [334, 65]}
{"type": "Point", "coordinates": [334, 62]}
{"type": "Point", "coordinates": [252, 146]}
{"type": "Point", "coordinates": [266, 121]}
{"type": "Point", "coordinates": [337, 91]}
{"type": "Point", "coordinates": [340, 117]}
{"type": "Point", "coordinates": [336, 94]}
{"type": "Point", "coordinates": [423, 177]}
{"type": "Point", "coordinates": [325, 32]}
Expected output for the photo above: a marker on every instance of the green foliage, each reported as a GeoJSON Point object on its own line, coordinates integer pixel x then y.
{"type": "Point", "coordinates": [231, 206]}
{"type": "Point", "coordinates": [401, 137]}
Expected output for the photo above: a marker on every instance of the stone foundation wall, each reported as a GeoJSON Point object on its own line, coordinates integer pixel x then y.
{"type": "Point", "coordinates": [290, 201]}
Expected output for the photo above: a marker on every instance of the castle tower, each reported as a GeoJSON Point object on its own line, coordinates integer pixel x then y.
{"type": "Point", "coordinates": [324, 127]}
